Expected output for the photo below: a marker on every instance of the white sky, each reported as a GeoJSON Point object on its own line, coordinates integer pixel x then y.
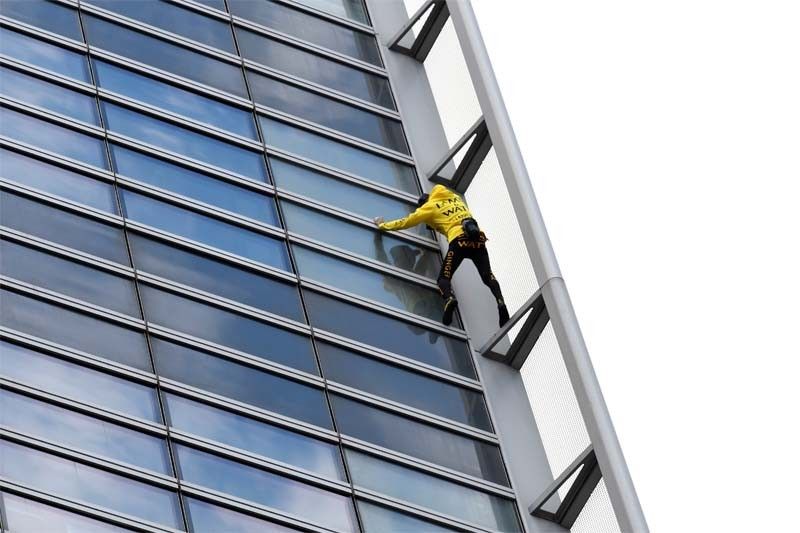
{"type": "Point", "coordinates": [663, 139]}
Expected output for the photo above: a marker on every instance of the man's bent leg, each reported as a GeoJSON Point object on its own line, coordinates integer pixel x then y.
{"type": "Point", "coordinates": [451, 262]}
{"type": "Point", "coordinates": [481, 260]}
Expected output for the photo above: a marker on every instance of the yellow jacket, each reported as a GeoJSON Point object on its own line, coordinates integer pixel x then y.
{"type": "Point", "coordinates": [443, 211]}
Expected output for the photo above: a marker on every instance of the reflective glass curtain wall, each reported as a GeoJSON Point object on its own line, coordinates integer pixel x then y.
{"type": "Point", "coordinates": [186, 190]}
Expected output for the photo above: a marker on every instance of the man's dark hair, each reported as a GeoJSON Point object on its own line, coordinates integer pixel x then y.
{"type": "Point", "coordinates": [422, 199]}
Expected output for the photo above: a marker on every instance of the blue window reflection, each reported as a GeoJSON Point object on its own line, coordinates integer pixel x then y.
{"type": "Point", "coordinates": [241, 382]}
{"type": "Point", "coordinates": [229, 329]}
{"type": "Point", "coordinates": [340, 156]}
{"type": "Point", "coordinates": [326, 72]}
{"type": "Point", "coordinates": [254, 436]}
{"type": "Point", "coordinates": [209, 231]}
{"type": "Point", "coordinates": [68, 277]}
{"type": "Point", "coordinates": [73, 480]}
{"type": "Point", "coordinates": [386, 333]}
{"type": "Point", "coordinates": [44, 55]}
{"type": "Point", "coordinates": [192, 184]}
{"type": "Point", "coordinates": [351, 9]}
{"type": "Point", "coordinates": [378, 519]}
{"type": "Point", "coordinates": [63, 141]}
{"type": "Point", "coordinates": [175, 19]}
{"type": "Point", "coordinates": [169, 97]}
{"type": "Point", "coordinates": [28, 516]}
{"type": "Point", "coordinates": [207, 518]}
{"type": "Point", "coordinates": [38, 92]}
{"type": "Point", "coordinates": [74, 330]}
{"type": "Point", "coordinates": [78, 383]}
{"type": "Point", "coordinates": [57, 181]}
{"type": "Point", "coordinates": [185, 142]}
{"type": "Point", "coordinates": [63, 227]}
{"type": "Point", "coordinates": [216, 277]}
{"type": "Point", "coordinates": [164, 55]}
{"type": "Point", "coordinates": [265, 488]}
{"type": "Point", "coordinates": [51, 16]}
{"type": "Point", "coordinates": [74, 430]}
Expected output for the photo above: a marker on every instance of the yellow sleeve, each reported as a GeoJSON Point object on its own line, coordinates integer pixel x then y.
{"type": "Point", "coordinates": [422, 214]}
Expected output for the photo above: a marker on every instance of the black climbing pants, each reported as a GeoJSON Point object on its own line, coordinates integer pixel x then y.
{"type": "Point", "coordinates": [464, 248]}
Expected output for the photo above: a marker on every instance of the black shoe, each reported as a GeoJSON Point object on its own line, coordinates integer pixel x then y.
{"type": "Point", "coordinates": [449, 308]}
{"type": "Point", "coordinates": [502, 311]}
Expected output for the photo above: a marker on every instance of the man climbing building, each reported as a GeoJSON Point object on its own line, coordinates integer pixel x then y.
{"type": "Point", "coordinates": [445, 211]}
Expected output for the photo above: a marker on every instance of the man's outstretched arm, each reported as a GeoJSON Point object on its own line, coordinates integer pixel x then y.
{"type": "Point", "coordinates": [422, 214]}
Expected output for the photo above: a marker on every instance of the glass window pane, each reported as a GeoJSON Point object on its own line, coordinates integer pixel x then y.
{"type": "Point", "coordinates": [164, 55]}
{"type": "Point", "coordinates": [38, 92]}
{"type": "Point", "coordinates": [338, 155]}
{"type": "Point", "coordinates": [76, 481]}
{"type": "Point", "coordinates": [58, 181]}
{"type": "Point", "coordinates": [74, 330]}
{"type": "Point", "coordinates": [383, 288]}
{"type": "Point", "coordinates": [207, 518]}
{"type": "Point", "coordinates": [50, 16]}
{"type": "Point", "coordinates": [68, 277]}
{"type": "Point", "coordinates": [339, 193]}
{"type": "Point", "coordinates": [81, 432]}
{"type": "Point", "coordinates": [389, 334]}
{"type": "Point", "coordinates": [185, 142]}
{"type": "Point", "coordinates": [78, 383]}
{"type": "Point", "coordinates": [286, 495]}
{"type": "Point", "coordinates": [229, 329]}
{"type": "Point", "coordinates": [351, 9]}
{"type": "Point", "coordinates": [63, 141]}
{"type": "Point", "coordinates": [361, 240]}
{"type": "Point", "coordinates": [63, 227]}
{"type": "Point", "coordinates": [309, 28]}
{"type": "Point", "coordinates": [241, 382]}
{"type": "Point", "coordinates": [28, 516]}
{"type": "Point", "coordinates": [256, 437]}
{"type": "Point", "coordinates": [327, 112]}
{"type": "Point", "coordinates": [439, 446]}
{"type": "Point", "coordinates": [194, 185]}
{"type": "Point", "coordinates": [216, 4]}
{"type": "Point", "coordinates": [44, 55]}
{"type": "Point", "coordinates": [378, 519]}
{"type": "Point", "coordinates": [404, 386]}
{"type": "Point", "coordinates": [216, 277]}
{"type": "Point", "coordinates": [432, 492]}
{"type": "Point", "coordinates": [166, 96]}
{"type": "Point", "coordinates": [315, 68]}
{"type": "Point", "coordinates": [174, 19]}
{"type": "Point", "coordinates": [204, 229]}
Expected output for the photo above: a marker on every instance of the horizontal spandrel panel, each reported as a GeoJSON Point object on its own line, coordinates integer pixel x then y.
{"type": "Point", "coordinates": [361, 240]}
{"type": "Point", "coordinates": [208, 518]}
{"type": "Point", "coordinates": [228, 329]}
{"type": "Point", "coordinates": [28, 516]}
{"type": "Point", "coordinates": [241, 382]}
{"type": "Point", "coordinates": [70, 479]}
{"type": "Point", "coordinates": [44, 55]}
{"type": "Point", "coordinates": [164, 55]}
{"type": "Point", "coordinates": [175, 19]}
{"type": "Point", "coordinates": [50, 16]}
{"type": "Point", "coordinates": [172, 98]}
{"type": "Point", "coordinates": [265, 488]}
{"type": "Point", "coordinates": [314, 68]}
{"type": "Point", "coordinates": [73, 329]}
{"type": "Point", "coordinates": [83, 433]}
{"type": "Point", "coordinates": [255, 436]}
{"type": "Point", "coordinates": [35, 91]}
{"type": "Point", "coordinates": [377, 519]}
{"type": "Point", "coordinates": [307, 27]}
{"type": "Point", "coordinates": [387, 333]}
{"type": "Point", "coordinates": [404, 386]}
{"type": "Point", "coordinates": [327, 112]}
{"type": "Point", "coordinates": [195, 185]}
{"type": "Point", "coordinates": [217, 277]}
{"type": "Point", "coordinates": [78, 383]}
{"type": "Point", "coordinates": [339, 155]}
{"type": "Point", "coordinates": [58, 181]}
{"type": "Point", "coordinates": [77, 280]}
{"type": "Point", "coordinates": [438, 446]}
{"type": "Point", "coordinates": [49, 136]}
{"type": "Point", "coordinates": [351, 9]}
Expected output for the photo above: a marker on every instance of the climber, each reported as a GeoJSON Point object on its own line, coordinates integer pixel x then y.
{"type": "Point", "coordinates": [445, 211]}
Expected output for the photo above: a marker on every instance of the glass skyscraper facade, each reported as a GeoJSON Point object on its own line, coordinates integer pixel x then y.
{"type": "Point", "coordinates": [201, 328]}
